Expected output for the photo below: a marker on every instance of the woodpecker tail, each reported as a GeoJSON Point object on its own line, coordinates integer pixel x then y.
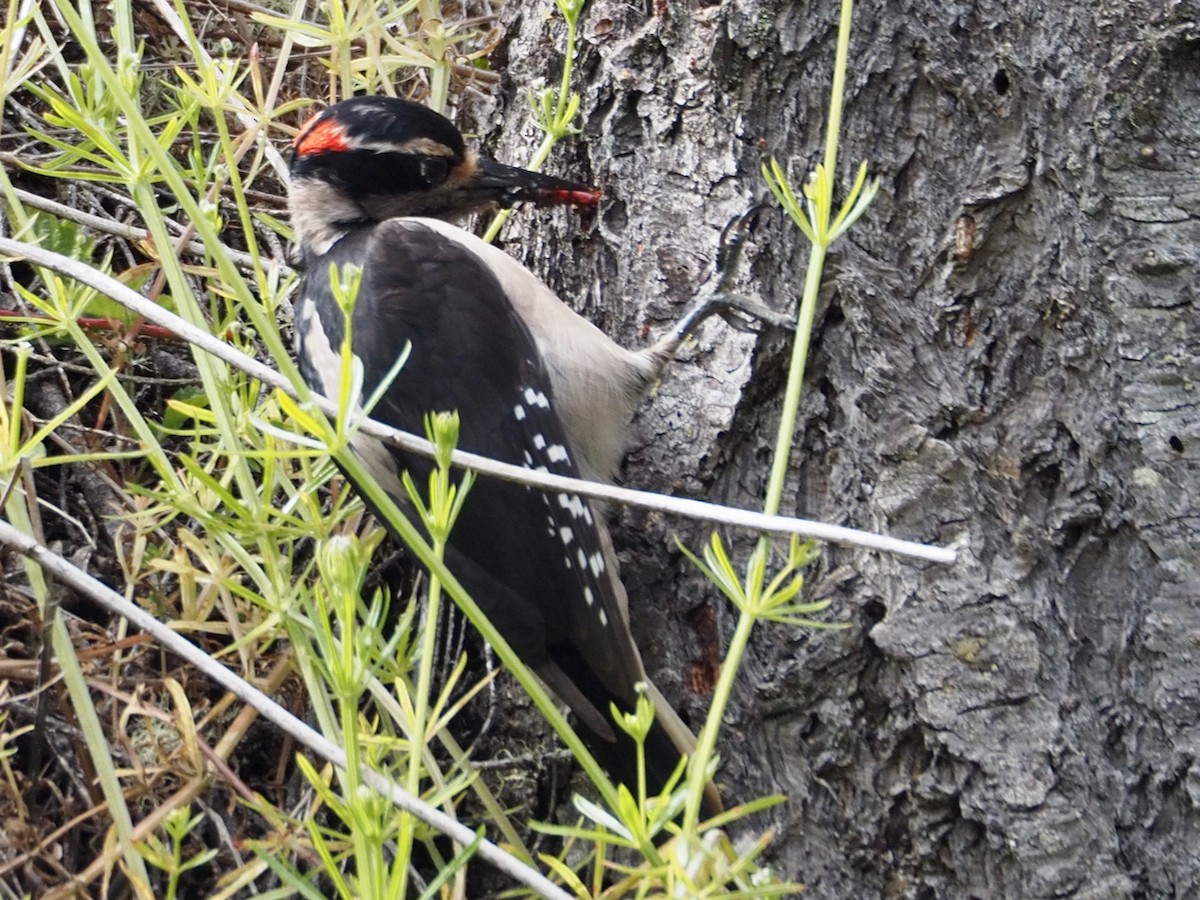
{"type": "Point", "coordinates": [668, 741]}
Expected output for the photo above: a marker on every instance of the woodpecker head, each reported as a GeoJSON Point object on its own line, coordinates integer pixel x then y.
{"type": "Point", "coordinates": [369, 159]}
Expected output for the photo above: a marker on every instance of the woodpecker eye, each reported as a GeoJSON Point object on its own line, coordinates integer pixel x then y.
{"type": "Point", "coordinates": [434, 170]}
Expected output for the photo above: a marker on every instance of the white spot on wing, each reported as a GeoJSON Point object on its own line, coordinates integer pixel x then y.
{"type": "Point", "coordinates": [589, 596]}
{"type": "Point", "coordinates": [603, 618]}
{"type": "Point", "coordinates": [539, 441]}
{"type": "Point", "coordinates": [536, 398]}
{"type": "Point", "coordinates": [519, 412]}
{"type": "Point", "coordinates": [557, 453]}
{"type": "Point", "coordinates": [566, 534]}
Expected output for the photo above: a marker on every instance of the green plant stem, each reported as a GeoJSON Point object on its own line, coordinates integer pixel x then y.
{"type": "Point", "coordinates": [756, 568]}
{"type": "Point", "coordinates": [342, 52]}
{"type": "Point", "coordinates": [812, 280]}
{"type": "Point", "coordinates": [539, 158]}
{"type": "Point", "coordinates": [838, 91]}
{"type": "Point", "coordinates": [791, 397]}
{"type": "Point", "coordinates": [369, 873]}
{"type": "Point", "coordinates": [98, 748]}
{"type": "Point", "coordinates": [559, 127]}
{"type": "Point", "coordinates": [233, 157]}
{"type": "Point", "coordinates": [421, 705]}
{"type": "Point", "coordinates": [706, 745]}
{"type": "Point", "coordinates": [436, 44]}
{"type": "Point", "coordinates": [707, 742]}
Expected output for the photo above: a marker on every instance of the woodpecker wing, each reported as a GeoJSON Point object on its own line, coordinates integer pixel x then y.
{"type": "Point", "coordinates": [535, 563]}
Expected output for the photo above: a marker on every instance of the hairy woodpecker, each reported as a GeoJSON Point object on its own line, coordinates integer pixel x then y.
{"type": "Point", "coordinates": [375, 182]}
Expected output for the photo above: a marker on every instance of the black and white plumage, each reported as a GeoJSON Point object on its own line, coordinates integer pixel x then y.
{"type": "Point", "coordinates": [372, 182]}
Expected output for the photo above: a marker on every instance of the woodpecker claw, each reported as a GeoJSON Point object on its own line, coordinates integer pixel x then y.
{"type": "Point", "coordinates": [743, 314]}
{"type": "Point", "coordinates": [733, 242]}
{"type": "Point", "coordinates": [739, 312]}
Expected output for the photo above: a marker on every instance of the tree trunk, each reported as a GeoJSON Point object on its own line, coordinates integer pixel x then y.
{"type": "Point", "coordinates": [1003, 360]}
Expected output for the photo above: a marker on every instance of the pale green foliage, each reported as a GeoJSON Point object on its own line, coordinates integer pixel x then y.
{"type": "Point", "coordinates": [813, 217]}
{"type": "Point", "coordinates": [219, 528]}
{"type": "Point", "coordinates": [371, 47]}
{"type": "Point", "coordinates": [167, 854]}
{"type": "Point", "coordinates": [773, 602]}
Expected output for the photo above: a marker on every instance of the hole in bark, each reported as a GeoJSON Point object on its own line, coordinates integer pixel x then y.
{"type": "Point", "coordinates": [948, 432]}
{"type": "Point", "coordinates": [1176, 443]}
{"type": "Point", "coordinates": [873, 612]}
{"type": "Point", "coordinates": [616, 216]}
{"type": "Point", "coordinates": [1000, 82]}
{"type": "Point", "coordinates": [1047, 480]}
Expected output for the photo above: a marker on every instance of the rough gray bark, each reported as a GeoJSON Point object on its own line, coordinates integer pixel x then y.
{"type": "Point", "coordinates": [1025, 723]}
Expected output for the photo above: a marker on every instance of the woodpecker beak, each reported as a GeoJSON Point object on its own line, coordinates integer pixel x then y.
{"type": "Point", "coordinates": [493, 182]}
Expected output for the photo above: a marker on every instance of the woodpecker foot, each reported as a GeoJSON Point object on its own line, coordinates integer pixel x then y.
{"type": "Point", "coordinates": [748, 315]}
{"type": "Point", "coordinates": [740, 312]}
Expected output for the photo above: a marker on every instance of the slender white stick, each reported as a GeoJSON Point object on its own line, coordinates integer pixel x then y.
{"type": "Point", "coordinates": [65, 573]}
{"type": "Point", "coordinates": [681, 506]}
{"type": "Point", "coordinates": [130, 232]}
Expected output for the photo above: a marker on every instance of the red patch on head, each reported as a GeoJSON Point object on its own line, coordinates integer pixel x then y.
{"type": "Point", "coordinates": [320, 136]}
